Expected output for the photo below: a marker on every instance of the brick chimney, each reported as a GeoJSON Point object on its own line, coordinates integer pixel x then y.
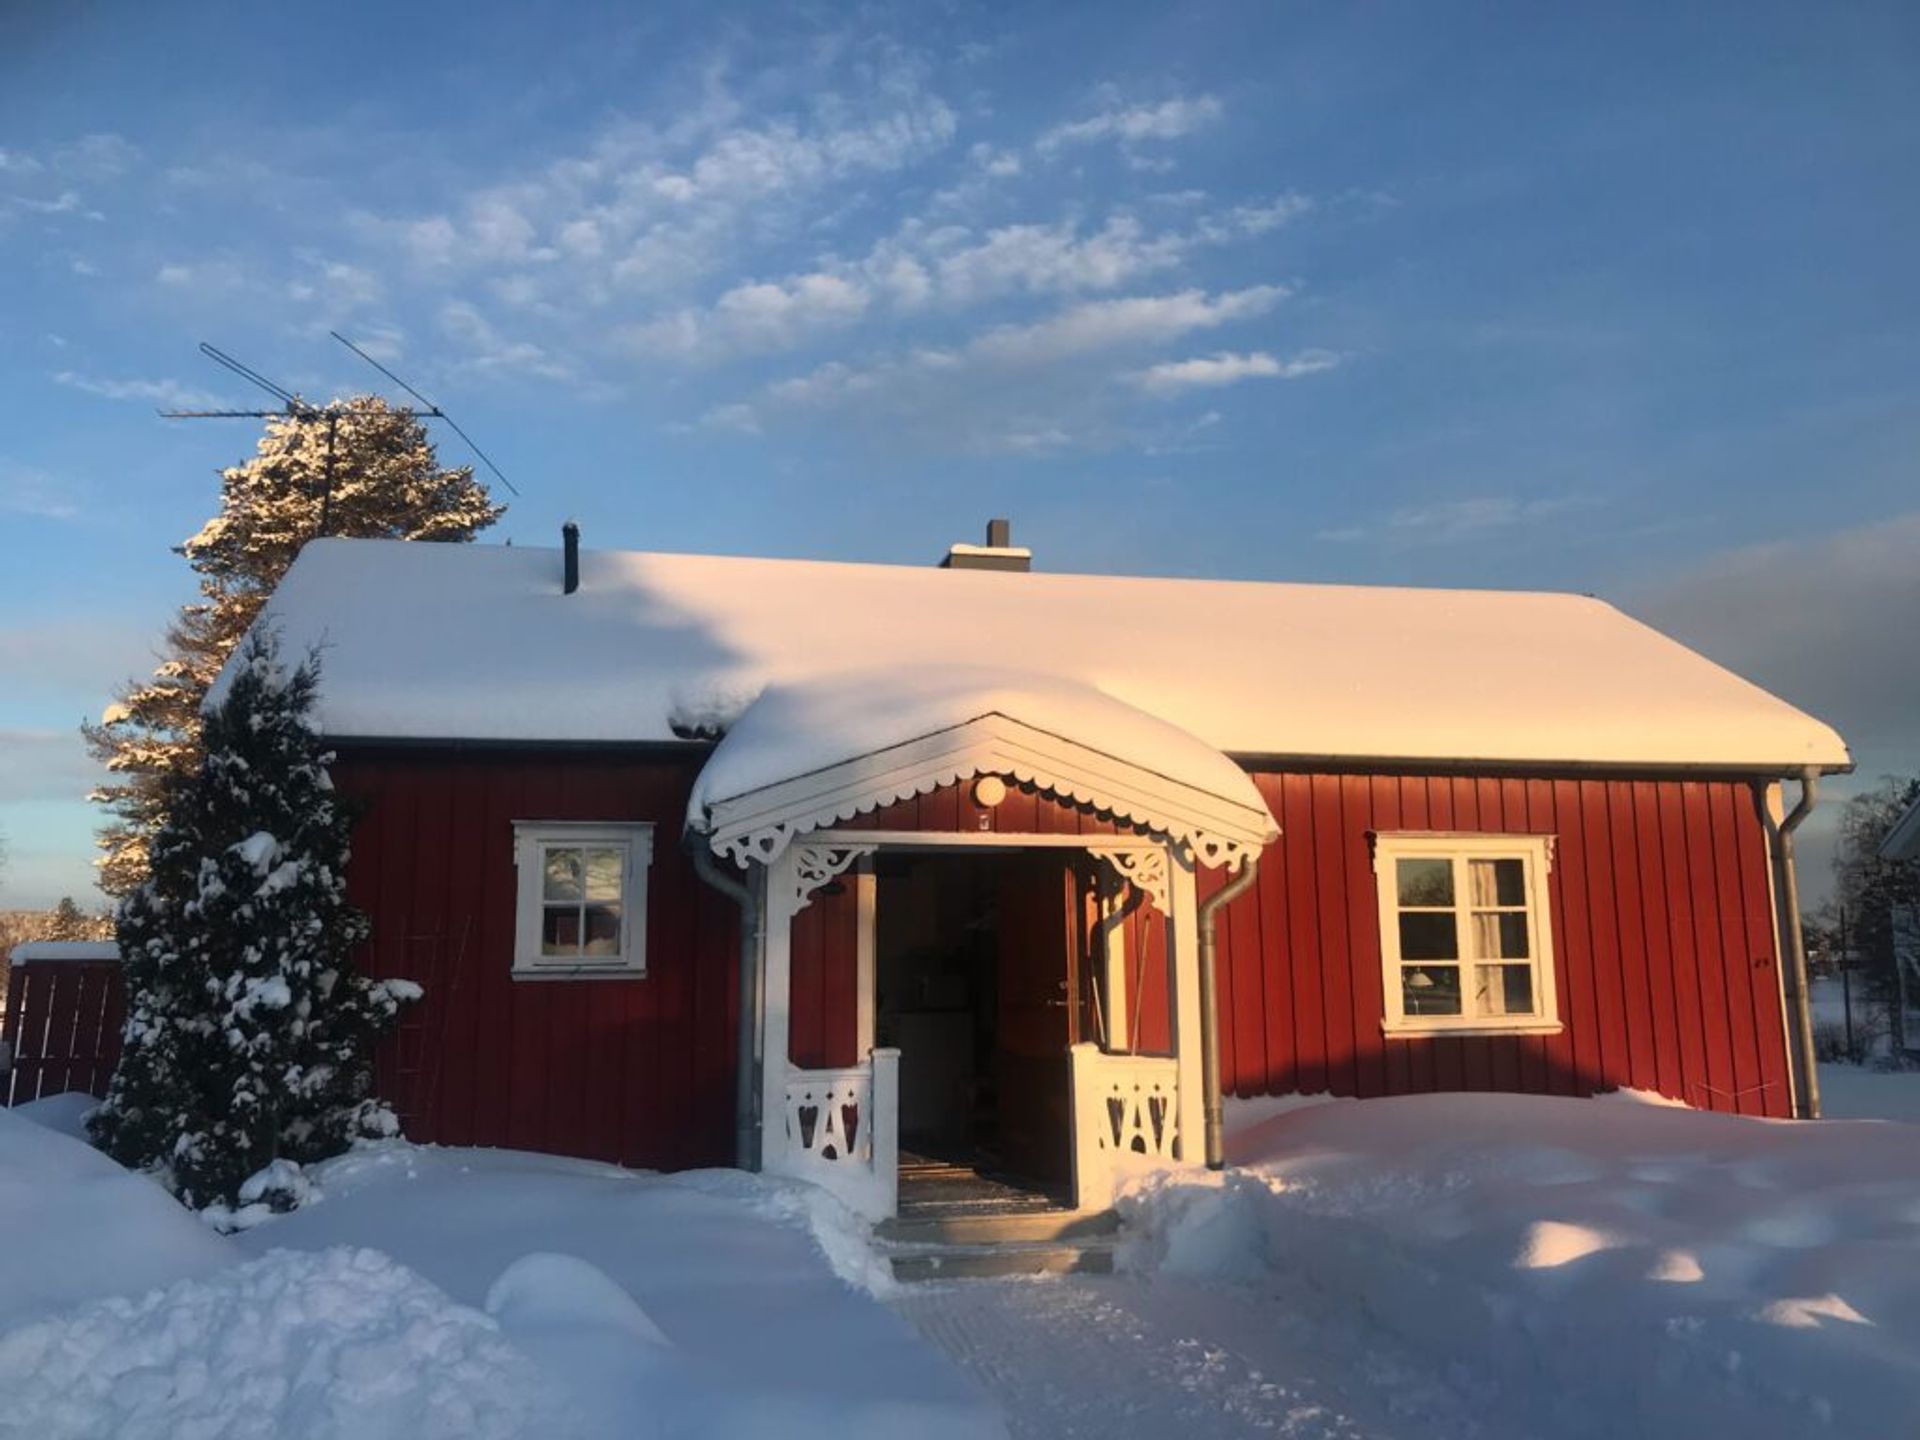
{"type": "Point", "coordinates": [999, 553]}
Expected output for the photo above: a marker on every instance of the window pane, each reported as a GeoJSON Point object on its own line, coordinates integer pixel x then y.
{"type": "Point", "coordinates": [604, 869]}
{"type": "Point", "coordinates": [1430, 989]}
{"type": "Point", "coordinates": [1498, 882]}
{"type": "Point", "coordinates": [1505, 989]}
{"type": "Point", "coordinates": [560, 930]}
{"type": "Point", "coordinates": [563, 874]}
{"type": "Point", "coordinates": [1427, 937]}
{"type": "Point", "coordinates": [1426, 882]}
{"type": "Point", "coordinates": [603, 930]}
{"type": "Point", "coordinates": [1500, 935]}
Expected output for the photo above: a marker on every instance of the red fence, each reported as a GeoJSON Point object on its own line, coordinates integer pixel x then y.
{"type": "Point", "coordinates": [62, 1027]}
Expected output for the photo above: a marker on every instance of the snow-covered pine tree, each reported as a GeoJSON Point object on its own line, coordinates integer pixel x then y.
{"type": "Point", "coordinates": [249, 1038]}
{"type": "Point", "coordinates": [387, 484]}
{"type": "Point", "coordinates": [69, 922]}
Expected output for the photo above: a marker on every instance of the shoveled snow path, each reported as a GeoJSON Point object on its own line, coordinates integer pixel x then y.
{"type": "Point", "coordinates": [1120, 1357]}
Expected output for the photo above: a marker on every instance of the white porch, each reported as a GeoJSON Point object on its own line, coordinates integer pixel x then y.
{"type": "Point", "coordinates": [1162, 812]}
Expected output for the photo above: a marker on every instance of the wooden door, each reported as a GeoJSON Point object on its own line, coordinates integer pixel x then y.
{"type": "Point", "coordinates": [1036, 1013]}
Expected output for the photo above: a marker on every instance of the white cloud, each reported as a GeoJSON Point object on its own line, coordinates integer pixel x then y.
{"type": "Point", "coordinates": [736, 417]}
{"type": "Point", "coordinates": [217, 274]}
{"type": "Point", "coordinates": [1249, 221]}
{"type": "Point", "coordinates": [1227, 368]}
{"type": "Point", "coordinates": [1099, 325]}
{"type": "Point", "coordinates": [169, 394]}
{"type": "Point", "coordinates": [25, 491]}
{"type": "Point", "coordinates": [1451, 522]}
{"type": "Point", "coordinates": [1000, 164]}
{"type": "Point", "coordinates": [1169, 120]}
{"type": "Point", "coordinates": [1053, 259]}
{"type": "Point", "coordinates": [485, 349]}
{"type": "Point", "coordinates": [337, 287]}
{"type": "Point", "coordinates": [755, 318]}
{"type": "Point", "coordinates": [95, 157]}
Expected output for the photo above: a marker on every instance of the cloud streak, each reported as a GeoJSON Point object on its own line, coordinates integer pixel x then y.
{"type": "Point", "coordinates": [1169, 120]}
{"type": "Point", "coordinates": [1207, 372]}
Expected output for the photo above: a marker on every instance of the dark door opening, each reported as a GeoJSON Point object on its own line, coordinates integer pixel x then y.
{"type": "Point", "coordinates": [980, 987]}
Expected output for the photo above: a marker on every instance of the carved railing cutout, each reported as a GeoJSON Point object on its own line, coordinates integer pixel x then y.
{"type": "Point", "coordinates": [826, 1114]}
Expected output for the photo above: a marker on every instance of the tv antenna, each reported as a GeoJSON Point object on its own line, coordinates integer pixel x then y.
{"type": "Point", "coordinates": [292, 407]}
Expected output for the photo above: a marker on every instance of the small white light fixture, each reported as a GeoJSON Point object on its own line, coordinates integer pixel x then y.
{"type": "Point", "coordinates": [989, 791]}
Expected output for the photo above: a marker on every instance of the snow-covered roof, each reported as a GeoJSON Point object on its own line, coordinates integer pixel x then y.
{"type": "Point", "coordinates": [40, 952]}
{"type": "Point", "coordinates": [812, 752]}
{"type": "Point", "coordinates": [1903, 840]}
{"type": "Point", "coordinates": [478, 643]}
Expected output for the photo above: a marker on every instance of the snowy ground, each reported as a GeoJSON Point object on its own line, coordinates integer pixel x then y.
{"type": "Point", "coordinates": [1436, 1266]}
{"type": "Point", "coordinates": [446, 1293]}
{"type": "Point", "coordinates": [1487, 1266]}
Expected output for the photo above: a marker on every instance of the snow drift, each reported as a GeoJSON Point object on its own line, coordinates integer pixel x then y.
{"type": "Point", "coordinates": [1582, 1268]}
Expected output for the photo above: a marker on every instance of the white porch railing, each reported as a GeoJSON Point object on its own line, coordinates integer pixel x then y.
{"type": "Point", "coordinates": [840, 1131]}
{"type": "Point", "coordinates": [1126, 1117]}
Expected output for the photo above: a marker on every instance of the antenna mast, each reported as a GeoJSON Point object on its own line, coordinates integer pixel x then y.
{"type": "Point", "coordinates": [294, 408]}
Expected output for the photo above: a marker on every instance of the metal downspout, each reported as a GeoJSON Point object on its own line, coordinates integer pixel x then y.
{"type": "Point", "coordinates": [1210, 1012]}
{"type": "Point", "coordinates": [746, 1103]}
{"type": "Point", "coordinates": [1796, 973]}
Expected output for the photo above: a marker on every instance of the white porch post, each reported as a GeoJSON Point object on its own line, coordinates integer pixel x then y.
{"type": "Point", "coordinates": [1185, 949]}
{"type": "Point", "coordinates": [865, 892]}
{"type": "Point", "coordinates": [885, 1134]}
{"type": "Point", "coordinates": [777, 981]}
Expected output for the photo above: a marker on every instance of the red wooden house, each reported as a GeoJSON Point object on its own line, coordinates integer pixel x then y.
{"type": "Point", "coordinates": [835, 869]}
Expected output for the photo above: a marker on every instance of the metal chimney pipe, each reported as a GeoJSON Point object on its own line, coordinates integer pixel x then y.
{"type": "Point", "coordinates": [570, 549]}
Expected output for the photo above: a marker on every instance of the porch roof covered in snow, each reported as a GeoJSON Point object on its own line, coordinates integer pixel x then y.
{"type": "Point", "coordinates": [808, 754]}
{"type": "Point", "coordinates": [478, 643]}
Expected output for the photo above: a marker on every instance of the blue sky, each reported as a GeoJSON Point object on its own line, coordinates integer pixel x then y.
{"type": "Point", "coordinates": [1615, 298]}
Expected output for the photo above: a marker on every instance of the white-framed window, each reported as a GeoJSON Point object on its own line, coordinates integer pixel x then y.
{"type": "Point", "coordinates": [582, 898]}
{"type": "Point", "coordinates": [1465, 938]}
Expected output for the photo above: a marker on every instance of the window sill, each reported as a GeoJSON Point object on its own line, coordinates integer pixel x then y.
{"type": "Point", "coordinates": [1429, 1032]}
{"type": "Point", "coordinates": [609, 970]}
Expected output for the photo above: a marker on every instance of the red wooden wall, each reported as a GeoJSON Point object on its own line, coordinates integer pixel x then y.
{"type": "Point", "coordinates": [637, 1070]}
{"type": "Point", "coordinates": [1661, 919]}
{"type": "Point", "coordinates": [1663, 941]}
{"type": "Point", "coordinates": [823, 1016]}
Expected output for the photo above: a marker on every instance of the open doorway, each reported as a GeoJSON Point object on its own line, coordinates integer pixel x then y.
{"type": "Point", "coordinates": [980, 984]}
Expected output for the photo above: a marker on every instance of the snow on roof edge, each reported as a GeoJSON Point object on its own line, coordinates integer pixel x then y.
{"type": "Point", "coordinates": [40, 952]}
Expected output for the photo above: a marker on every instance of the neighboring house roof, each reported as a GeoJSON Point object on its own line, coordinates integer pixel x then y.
{"type": "Point", "coordinates": [438, 641]}
{"type": "Point", "coordinates": [809, 754]}
{"type": "Point", "coordinates": [41, 952]}
{"type": "Point", "coordinates": [1903, 840]}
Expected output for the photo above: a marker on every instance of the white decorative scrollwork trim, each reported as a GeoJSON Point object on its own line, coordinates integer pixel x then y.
{"type": "Point", "coordinates": [761, 824]}
{"type": "Point", "coordinates": [817, 865]}
{"type": "Point", "coordinates": [1143, 867]}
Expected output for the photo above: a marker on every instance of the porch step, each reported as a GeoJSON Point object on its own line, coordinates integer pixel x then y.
{"type": "Point", "coordinates": [1022, 1227]}
{"type": "Point", "coordinates": [978, 1247]}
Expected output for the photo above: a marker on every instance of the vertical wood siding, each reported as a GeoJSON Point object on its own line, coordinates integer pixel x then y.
{"type": "Point", "coordinates": [62, 1026]}
{"type": "Point", "coordinates": [1659, 908]}
{"type": "Point", "coordinates": [1663, 939]}
{"type": "Point", "coordinates": [637, 1070]}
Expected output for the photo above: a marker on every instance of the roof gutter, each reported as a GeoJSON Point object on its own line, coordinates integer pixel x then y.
{"type": "Point", "coordinates": [1794, 943]}
{"type": "Point", "coordinates": [1210, 1010]}
{"type": "Point", "coordinates": [746, 1099]}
